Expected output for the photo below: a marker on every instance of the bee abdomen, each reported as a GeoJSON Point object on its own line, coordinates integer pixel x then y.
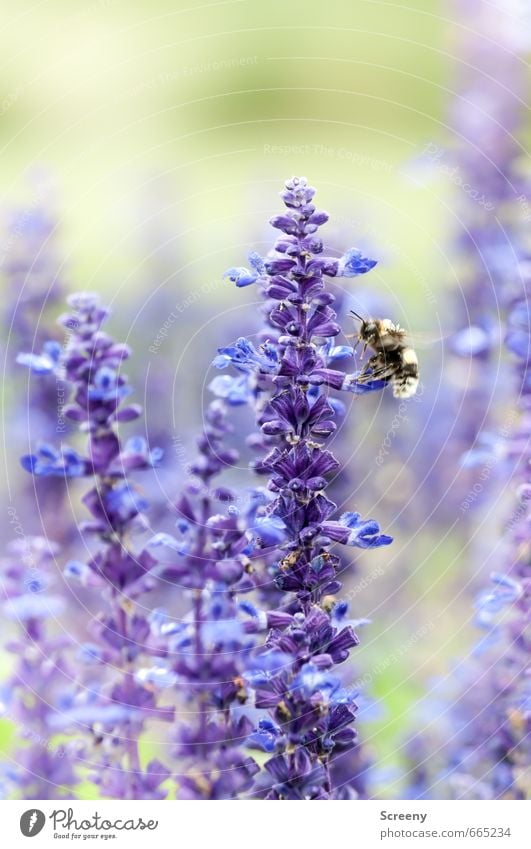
{"type": "Point", "coordinates": [406, 379]}
{"type": "Point", "coordinates": [405, 387]}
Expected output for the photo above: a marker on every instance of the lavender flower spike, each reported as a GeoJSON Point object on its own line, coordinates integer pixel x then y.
{"type": "Point", "coordinates": [490, 749]}
{"type": "Point", "coordinates": [209, 648]}
{"type": "Point", "coordinates": [113, 711]}
{"type": "Point", "coordinates": [308, 715]}
{"type": "Point", "coordinates": [41, 679]}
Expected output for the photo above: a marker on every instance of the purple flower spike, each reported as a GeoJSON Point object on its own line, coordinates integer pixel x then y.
{"type": "Point", "coordinates": [90, 364]}
{"type": "Point", "coordinates": [43, 672]}
{"type": "Point", "coordinates": [307, 714]}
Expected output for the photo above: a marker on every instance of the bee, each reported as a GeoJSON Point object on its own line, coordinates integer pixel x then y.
{"type": "Point", "coordinates": [393, 361]}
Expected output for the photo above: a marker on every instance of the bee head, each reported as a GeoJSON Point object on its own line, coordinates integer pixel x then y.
{"type": "Point", "coordinates": [367, 326]}
{"type": "Point", "coordinates": [368, 330]}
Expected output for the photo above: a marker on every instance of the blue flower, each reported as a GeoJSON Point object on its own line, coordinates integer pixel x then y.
{"type": "Point", "coordinates": [44, 363]}
{"type": "Point", "coordinates": [364, 533]}
{"type": "Point", "coordinates": [35, 584]}
{"type": "Point", "coordinates": [182, 637]}
{"type": "Point", "coordinates": [249, 608]}
{"type": "Point", "coordinates": [256, 262]}
{"type": "Point", "coordinates": [339, 616]}
{"type": "Point", "coordinates": [507, 586]}
{"type": "Point", "coordinates": [244, 356]}
{"type": "Point", "coordinates": [89, 714]}
{"type": "Point", "coordinates": [81, 572]}
{"type": "Point", "coordinates": [338, 406]}
{"type": "Point", "coordinates": [234, 390]}
{"type": "Point", "coordinates": [353, 263]}
{"type": "Point", "coordinates": [330, 352]}
{"type": "Point", "coordinates": [267, 531]}
{"type": "Point", "coordinates": [485, 450]}
{"type": "Point", "coordinates": [311, 680]}
{"type": "Point", "coordinates": [161, 624]}
{"type": "Point", "coordinates": [223, 632]}
{"type": "Point", "coordinates": [108, 386]}
{"type": "Point", "coordinates": [32, 606]}
{"type": "Point", "coordinates": [168, 541]}
{"type": "Point", "coordinates": [266, 666]}
{"type": "Point", "coordinates": [136, 454]}
{"type": "Point", "coordinates": [504, 593]}
{"type": "Point", "coordinates": [471, 341]}
{"type": "Point", "coordinates": [159, 677]}
{"type": "Point", "coordinates": [340, 610]}
{"type": "Point", "coordinates": [243, 276]}
{"type": "Point", "coordinates": [124, 502]}
{"type": "Point", "coordinates": [53, 462]}
{"type": "Point", "coordinates": [266, 736]}
{"type": "Point", "coordinates": [351, 384]}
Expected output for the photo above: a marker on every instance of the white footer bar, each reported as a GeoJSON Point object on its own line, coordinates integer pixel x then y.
{"type": "Point", "coordinates": [267, 825]}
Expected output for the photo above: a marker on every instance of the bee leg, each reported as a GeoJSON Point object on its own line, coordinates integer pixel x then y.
{"type": "Point", "coordinates": [371, 364]}
{"type": "Point", "coordinates": [376, 369]}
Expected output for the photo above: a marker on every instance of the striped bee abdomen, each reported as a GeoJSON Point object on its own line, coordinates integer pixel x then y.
{"type": "Point", "coordinates": [405, 381]}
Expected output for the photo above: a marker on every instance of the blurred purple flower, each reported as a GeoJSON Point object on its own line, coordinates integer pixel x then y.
{"type": "Point", "coordinates": [91, 365]}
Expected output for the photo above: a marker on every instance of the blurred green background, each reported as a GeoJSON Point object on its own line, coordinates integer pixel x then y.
{"type": "Point", "coordinates": [164, 131]}
{"type": "Point", "coordinates": [214, 105]}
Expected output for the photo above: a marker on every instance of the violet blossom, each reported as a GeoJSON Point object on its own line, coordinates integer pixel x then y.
{"type": "Point", "coordinates": [308, 713]}
{"type": "Point", "coordinates": [483, 155]}
{"type": "Point", "coordinates": [489, 752]}
{"type": "Point", "coordinates": [41, 681]}
{"type": "Point", "coordinates": [207, 649]}
{"type": "Point", "coordinates": [114, 708]}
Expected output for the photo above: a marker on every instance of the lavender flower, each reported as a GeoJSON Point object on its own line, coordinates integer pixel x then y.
{"type": "Point", "coordinates": [41, 679]}
{"type": "Point", "coordinates": [115, 712]}
{"type": "Point", "coordinates": [309, 713]}
{"type": "Point", "coordinates": [490, 751]}
{"type": "Point", "coordinates": [484, 152]}
{"type": "Point", "coordinates": [484, 747]}
{"type": "Point", "coordinates": [480, 748]}
{"type": "Point", "coordinates": [209, 647]}
{"type": "Point", "coordinates": [32, 268]}
{"type": "Point", "coordinates": [485, 116]}
{"type": "Point", "coordinates": [32, 272]}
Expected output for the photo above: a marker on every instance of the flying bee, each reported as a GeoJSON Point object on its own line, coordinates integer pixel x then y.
{"type": "Point", "coordinates": [393, 361]}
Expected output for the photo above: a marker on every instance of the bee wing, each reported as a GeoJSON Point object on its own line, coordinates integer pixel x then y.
{"type": "Point", "coordinates": [425, 339]}
{"type": "Point", "coordinates": [415, 339]}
